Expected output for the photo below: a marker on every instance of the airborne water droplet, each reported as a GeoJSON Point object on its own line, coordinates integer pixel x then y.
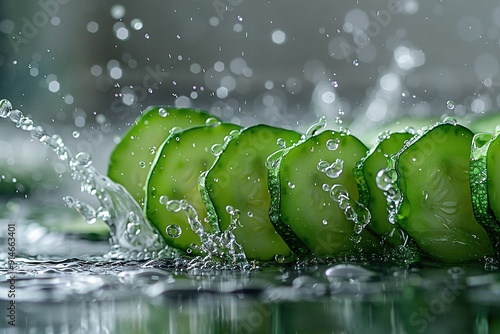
{"type": "Point", "coordinates": [173, 231]}
{"type": "Point", "coordinates": [5, 108]}
{"type": "Point", "coordinates": [291, 185]}
{"type": "Point", "coordinates": [76, 134]}
{"type": "Point", "coordinates": [450, 105]}
{"type": "Point", "coordinates": [142, 164]}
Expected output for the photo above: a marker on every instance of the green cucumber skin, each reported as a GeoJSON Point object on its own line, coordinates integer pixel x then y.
{"type": "Point", "coordinates": [447, 232]}
{"type": "Point", "coordinates": [175, 173]}
{"type": "Point", "coordinates": [493, 177]}
{"type": "Point", "coordinates": [149, 132]}
{"type": "Point", "coordinates": [306, 198]}
{"type": "Point", "coordinates": [239, 178]}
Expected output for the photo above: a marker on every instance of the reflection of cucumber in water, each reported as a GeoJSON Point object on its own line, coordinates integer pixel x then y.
{"type": "Point", "coordinates": [430, 186]}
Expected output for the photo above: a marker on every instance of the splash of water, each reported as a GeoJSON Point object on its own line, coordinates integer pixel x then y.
{"type": "Point", "coordinates": [131, 234]}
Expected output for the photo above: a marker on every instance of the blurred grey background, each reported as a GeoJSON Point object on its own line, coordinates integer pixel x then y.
{"type": "Point", "coordinates": [85, 69]}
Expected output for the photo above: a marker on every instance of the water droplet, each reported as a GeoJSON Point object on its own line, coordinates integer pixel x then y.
{"type": "Point", "coordinates": [216, 149]}
{"type": "Point", "coordinates": [249, 214]}
{"type": "Point", "coordinates": [76, 134]}
{"type": "Point", "coordinates": [279, 258]}
{"type": "Point", "coordinates": [175, 130]}
{"type": "Point", "coordinates": [322, 166]}
{"type": "Point", "coordinates": [142, 164]}
{"type": "Point", "coordinates": [5, 108]}
{"type": "Point", "coordinates": [281, 142]}
{"type": "Point", "coordinates": [335, 169]}
{"type": "Point", "coordinates": [163, 200]}
{"type": "Point", "coordinates": [163, 112]}
{"type": "Point", "coordinates": [173, 205]}
{"type": "Point", "coordinates": [212, 122]}
{"type": "Point", "coordinates": [173, 231]}
{"type": "Point", "coordinates": [291, 185]}
{"type": "Point", "coordinates": [132, 228]}
{"type": "Point", "coordinates": [355, 62]}
{"type": "Point", "coordinates": [326, 187]}
{"type": "Point", "coordinates": [450, 105]}
{"type": "Point", "coordinates": [240, 18]}
{"type": "Point", "coordinates": [337, 192]}
{"type": "Point", "coordinates": [146, 36]}
{"type": "Point", "coordinates": [152, 150]}
{"type": "Point", "coordinates": [332, 144]}
{"type": "Point", "coordinates": [15, 116]}
{"type": "Point", "coordinates": [450, 120]}
{"type": "Point", "coordinates": [324, 221]}
{"type": "Point", "coordinates": [384, 180]}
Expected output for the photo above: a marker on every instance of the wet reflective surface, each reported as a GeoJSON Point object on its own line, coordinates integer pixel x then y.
{"type": "Point", "coordinates": [63, 284]}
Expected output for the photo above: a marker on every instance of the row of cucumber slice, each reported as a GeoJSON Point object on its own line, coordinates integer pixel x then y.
{"type": "Point", "coordinates": [319, 194]}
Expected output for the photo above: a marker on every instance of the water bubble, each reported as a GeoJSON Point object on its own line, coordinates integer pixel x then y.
{"type": "Point", "coordinates": [384, 180]}
{"type": "Point", "coordinates": [173, 231]}
{"type": "Point", "coordinates": [163, 200]}
{"type": "Point", "coordinates": [355, 62]}
{"type": "Point", "coordinates": [216, 149]}
{"type": "Point", "coordinates": [450, 120]}
{"type": "Point", "coordinates": [337, 192]}
{"type": "Point", "coordinates": [5, 108]}
{"type": "Point", "coordinates": [142, 164]}
{"type": "Point", "coordinates": [334, 170]}
{"type": "Point", "coordinates": [279, 258]}
{"type": "Point", "coordinates": [152, 150]}
{"type": "Point", "coordinates": [332, 144]}
{"type": "Point", "coordinates": [76, 134]}
{"type": "Point", "coordinates": [212, 122]}
{"type": "Point", "coordinates": [16, 116]}
{"type": "Point", "coordinates": [146, 36]}
{"type": "Point", "coordinates": [450, 105]}
{"type": "Point", "coordinates": [133, 229]}
{"type": "Point", "coordinates": [38, 133]}
{"type": "Point", "coordinates": [281, 142]}
{"type": "Point", "coordinates": [322, 166]}
{"type": "Point", "coordinates": [82, 159]}
{"type": "Point", "coordinates": [325, 187]}
{"type": "Point", "coordinates": [291, 185]}
{"type": "Point", "coordinates": [324, 222]}
{"type": "Point", "coordinates": [173, 205]}
{"type": "Point", "coordinates": [175, 130]}
{"type": "Point", "coordinates": [163, 112]}
{"type": "Point", "coordinates": [249, 214]}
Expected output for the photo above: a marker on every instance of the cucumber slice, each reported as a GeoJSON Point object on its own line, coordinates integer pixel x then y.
{"type": "Point", "coordinates": [303, 206]}
{"type": "Point", "coordinates": [370, 194]}
{"type": "Point", "coordinates": [175, 173]}
{"type": "Point", "coordinates": [239, 179]}
{"type": "Point", "coordinates": [435, 207]}
{"type": "Point", "coordinates": [133, 156]}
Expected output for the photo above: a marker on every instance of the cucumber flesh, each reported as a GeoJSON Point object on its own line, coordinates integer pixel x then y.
{"type": "Point", "coordinates": [239, 179]}
{"type": "Point", "coordinates": [175, 173]}
{"type": "Point", "coordinates": [305, 208]}
{"type": "Point", "coordinates": [133, 156]}
{"type": "Point", "coordinates": [371, 195]}
{"type": "Point", "coordinates": [435, 207]}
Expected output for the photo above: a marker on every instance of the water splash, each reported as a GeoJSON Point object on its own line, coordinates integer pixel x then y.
{"type": "Point", "coordinates": [131, 234]}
